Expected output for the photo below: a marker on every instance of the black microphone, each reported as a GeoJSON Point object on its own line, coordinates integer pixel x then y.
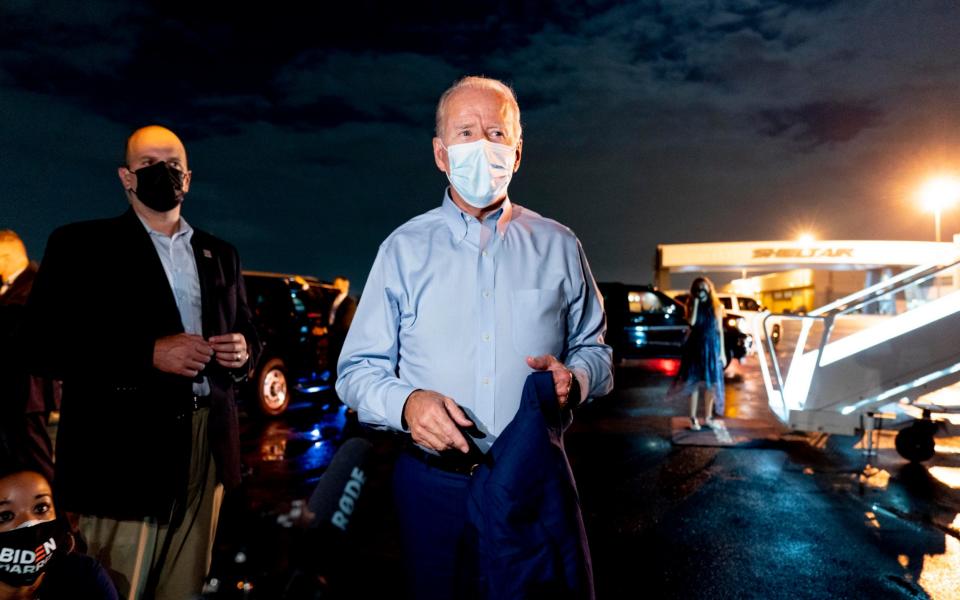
{"type": "Point", "coordinates": [335, 498]}
{"type": "Point", "coordinates": [326, 547]}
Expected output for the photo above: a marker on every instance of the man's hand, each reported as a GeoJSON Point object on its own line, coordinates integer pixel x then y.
{"type": "Point", "coordinates": [230, 349]}
{"type": "Point", "coordinates": [562, 376]}
{"type": "Point", "coordinates": [433, 418]}
{"type": "Point", "coordinates": [182, 354]}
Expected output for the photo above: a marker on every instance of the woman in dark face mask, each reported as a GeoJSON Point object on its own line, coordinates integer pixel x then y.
{"type": "Point", "coordinates": [36, 557]}
{"type": "Point", "coordinates": [703, 357]}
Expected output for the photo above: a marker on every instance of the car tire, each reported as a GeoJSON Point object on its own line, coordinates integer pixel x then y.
{"type": "Point", "coordinates": [272, 391]}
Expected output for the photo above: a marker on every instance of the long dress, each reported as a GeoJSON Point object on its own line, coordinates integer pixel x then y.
{"type": "Point", "coordinates": [700, 358]}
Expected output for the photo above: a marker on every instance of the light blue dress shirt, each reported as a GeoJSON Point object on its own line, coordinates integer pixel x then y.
{"type": "Point", "coordinates": [455, 305]}
{"type": "Point", "coordinates": [180, 265]}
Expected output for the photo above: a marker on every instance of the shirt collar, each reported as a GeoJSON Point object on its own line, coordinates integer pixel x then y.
{"type": "Point", "coordinates": [183, 229]}
{"type": "Point", "coordinates": [457, 220]}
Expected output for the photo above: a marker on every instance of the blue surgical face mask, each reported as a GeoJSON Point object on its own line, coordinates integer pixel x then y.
{"type": "Point", "coordinates": [480, 171]}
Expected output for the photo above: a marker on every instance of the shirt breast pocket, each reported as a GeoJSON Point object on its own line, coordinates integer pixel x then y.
{"type": "Point", "coordinates": [537, 322]}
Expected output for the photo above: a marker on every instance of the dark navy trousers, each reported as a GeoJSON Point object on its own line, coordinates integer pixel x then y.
{"type": "Point", "coordinates": [439, 549]}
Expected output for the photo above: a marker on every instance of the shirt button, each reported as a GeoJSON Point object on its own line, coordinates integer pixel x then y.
{"type": "Point", "coordinates": [486, 337]}
{"type": "Point", "coordinates": [486, 381]}
{"type": "Point", "coordinates": [486, 293]}
{"type": "Point", "coordinates": [484, 253]}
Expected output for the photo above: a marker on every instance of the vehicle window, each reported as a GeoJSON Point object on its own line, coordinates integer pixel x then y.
{"type": "Point", "coordinates": [313, 300]}
{"type": "Point", "coordinates": [298, 304]}
{"type": "Point", "coordinates": [644, 301]}
{"type": "Point", "coordinates": [726, 302]}
{"type": "Point", "coordinates": [748, 304]}
{"type": "Point", "coordinates": [267, 298]}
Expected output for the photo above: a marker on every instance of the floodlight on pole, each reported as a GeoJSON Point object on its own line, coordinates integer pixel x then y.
{"type": "Point", "coordinates": [938, 194]}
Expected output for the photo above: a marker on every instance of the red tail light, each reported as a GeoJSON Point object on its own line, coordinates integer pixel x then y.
{"type": "Point", "coordinates": [667, 366]}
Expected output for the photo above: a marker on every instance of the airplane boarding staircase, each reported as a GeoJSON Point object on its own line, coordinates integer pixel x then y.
{"type": "Point", "coordinates": [871, 353]}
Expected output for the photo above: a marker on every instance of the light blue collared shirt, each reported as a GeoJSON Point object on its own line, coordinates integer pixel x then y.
{"type": "Point", "coordinates": [455, 306]}
{"type": "Point", "coordinates": [180, 265]}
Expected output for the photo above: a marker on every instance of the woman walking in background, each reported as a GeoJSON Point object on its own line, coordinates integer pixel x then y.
{"type": "Point", "coordinates": [702, 359]}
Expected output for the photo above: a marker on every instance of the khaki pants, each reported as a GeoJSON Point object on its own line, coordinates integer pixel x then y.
{"type": "Point", "coordinates": [173, 561]}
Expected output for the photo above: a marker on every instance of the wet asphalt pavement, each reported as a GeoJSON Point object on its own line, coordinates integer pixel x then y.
{"type": "Point", "coordinates": [798, 516]}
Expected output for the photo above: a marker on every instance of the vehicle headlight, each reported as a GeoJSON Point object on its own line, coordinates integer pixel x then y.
{"type": "Point", "coordinates": [738, 323]}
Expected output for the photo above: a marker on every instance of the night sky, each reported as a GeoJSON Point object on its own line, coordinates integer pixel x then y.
{"type": "Point", "coordinates": [308, 131]}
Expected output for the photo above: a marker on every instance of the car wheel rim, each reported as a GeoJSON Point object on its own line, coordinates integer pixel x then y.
{"type": "Point", "coordinates": [274, 389]}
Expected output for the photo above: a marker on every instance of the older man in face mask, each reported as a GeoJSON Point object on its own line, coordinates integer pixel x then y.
{"type": "Point", "coordinates": [461, 305]}
{"type": "Point", "coordinates": [145, 320]}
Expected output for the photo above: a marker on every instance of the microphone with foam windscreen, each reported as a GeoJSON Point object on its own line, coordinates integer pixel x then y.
{"type": "Point", "coordinates": [327, 545]}
{"type": "Point", "coordinates": [335, 498]}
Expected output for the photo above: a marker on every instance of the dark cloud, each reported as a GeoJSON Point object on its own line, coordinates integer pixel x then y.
{"type": "Point", "coordinates": [309, 124]}
{"type": "Point", "coordinates": [819, 123]}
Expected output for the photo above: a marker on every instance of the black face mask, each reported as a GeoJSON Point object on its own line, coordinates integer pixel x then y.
{"type": "Point", "coordinates": [26, 552]}
{"type": "Point", "coordinates": [159, 186]}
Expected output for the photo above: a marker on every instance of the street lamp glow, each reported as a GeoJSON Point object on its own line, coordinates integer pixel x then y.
{"type": "Point", "coordinates": [937, 194]}
{"type": "Point", "coordinates": [806, 238]}
{"type": "Point", "coordinates": [940, 192]}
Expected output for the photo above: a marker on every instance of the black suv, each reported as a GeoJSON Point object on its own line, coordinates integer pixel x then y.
{"type": "Point", "coordinates": [290, 313]}
{"type": "Point", "coordinates": [643, 322]}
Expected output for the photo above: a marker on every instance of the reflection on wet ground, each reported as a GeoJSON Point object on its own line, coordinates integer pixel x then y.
{"type": "Point", "coordinates": [808, 516]}
{"type": "Point", "coordinates": [304, 447]}
{"type": "Point", "coordinates": [940, 573]}
{"type": "Point", "coordinates": [802, 516]}
{"type": "Point", "coordinates": [290, 454]}
{"type": "Point", "coordinates": [915, 508]}
{"type": "Point", "coordinates": [282, 461]}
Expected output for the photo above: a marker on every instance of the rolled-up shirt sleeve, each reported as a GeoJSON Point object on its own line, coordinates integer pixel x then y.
{"type": "Point", "coordinates": [588, 357]}
{"type": "Point", "coordinates": [367, 378]}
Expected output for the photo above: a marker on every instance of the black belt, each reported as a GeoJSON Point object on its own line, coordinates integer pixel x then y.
{"type": "Point", "coordinates": [459, 463]}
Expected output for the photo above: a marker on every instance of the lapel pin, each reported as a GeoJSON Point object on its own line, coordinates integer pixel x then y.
{"type": "Point", "coordinates": [207, 253]}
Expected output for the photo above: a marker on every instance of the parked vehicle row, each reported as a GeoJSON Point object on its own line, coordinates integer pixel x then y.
{"type": "Point", "coordinates": [746, 310]}
{"type": "Point", "coordinates": [291, 314]}
{"type": "Point", "coordinates": [644, 322]}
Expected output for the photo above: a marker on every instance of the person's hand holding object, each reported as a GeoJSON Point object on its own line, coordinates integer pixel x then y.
{"type": "Point", "coordinates": [181, 354]}
{"type": "Point", "coordinates": [562, 376]}
{"type": "Point", "coordinates": [432, 419]}
{"type": "Point", "coordinates": [230, 349]}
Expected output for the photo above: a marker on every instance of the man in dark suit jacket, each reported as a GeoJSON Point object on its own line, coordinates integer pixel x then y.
{"type": "Point", "coordinates": [145, 320]}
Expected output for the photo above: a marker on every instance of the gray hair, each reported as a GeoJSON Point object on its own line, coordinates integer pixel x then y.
{"type": "Point", "coordinates": [477, 82]}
